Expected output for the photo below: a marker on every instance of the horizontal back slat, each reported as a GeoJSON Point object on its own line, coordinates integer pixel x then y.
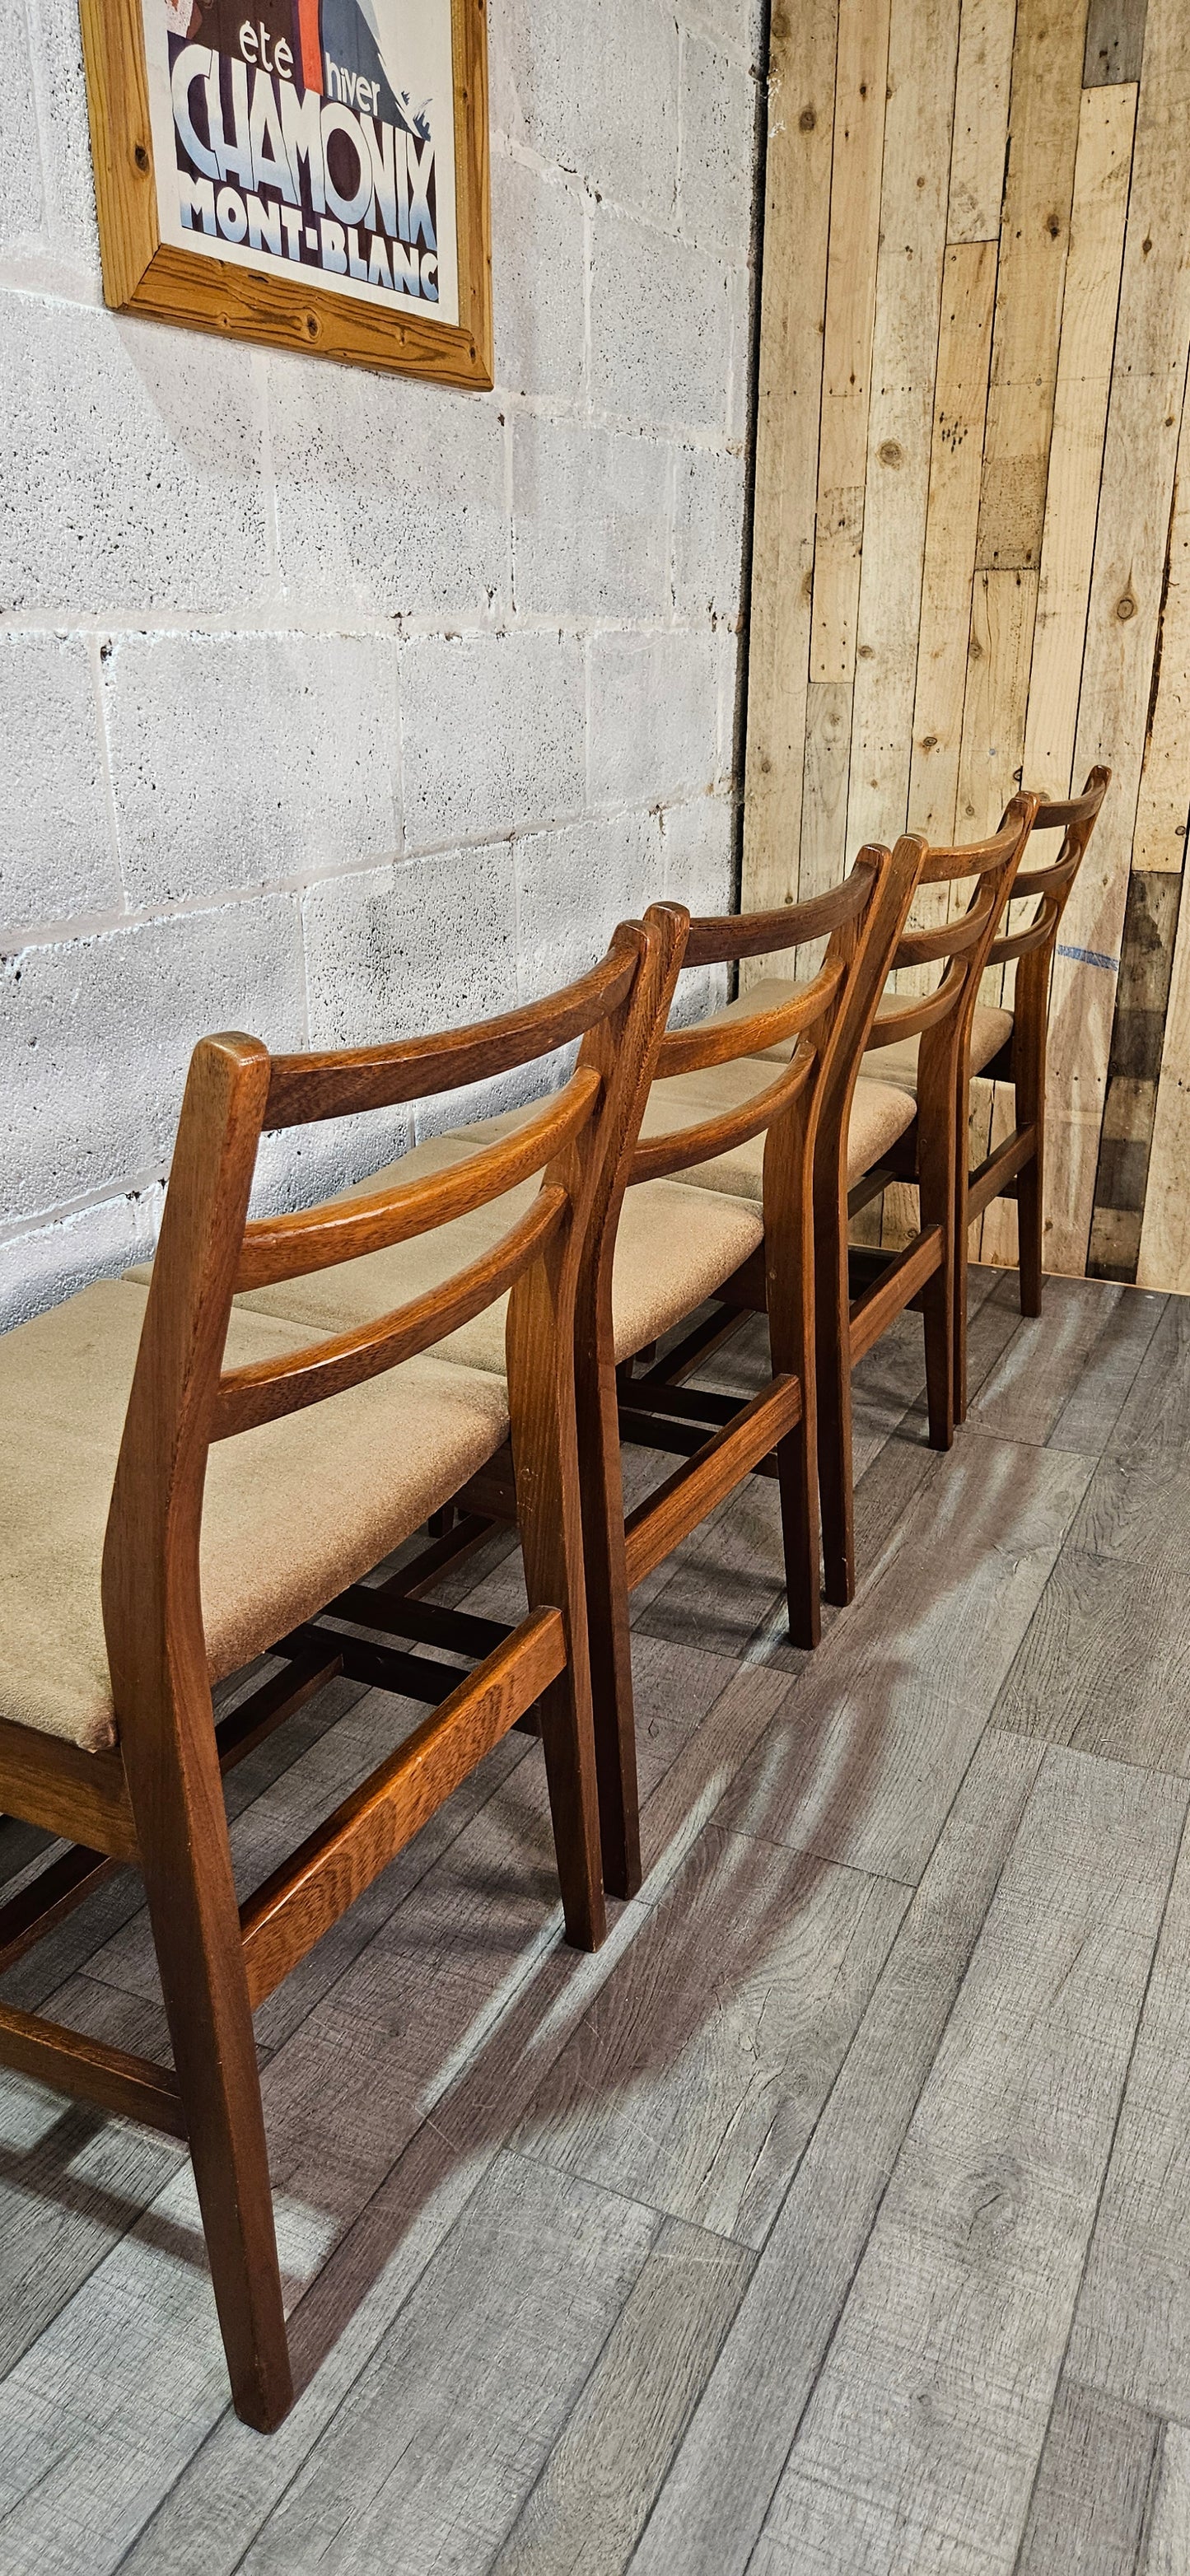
{"type": "Point", "coordinates": [950, 939]}
{"type": "Point", "coordinates": [707, 1042]}
{"type": "Point", "coordinates": [975, 858]}
{"type": "Point", "coordinates": [678, 1148]}
{"type": "Point", "coordinates": [270, 1388]}
{"type": "Point", "coordinates": [1017, 943]}
{"type": "Point", "coordinates": [917, 1011]}
{"type": "Point", "coordinates": [288, 1247]}
{"type": "Point", "coordinates": [1060, 814]}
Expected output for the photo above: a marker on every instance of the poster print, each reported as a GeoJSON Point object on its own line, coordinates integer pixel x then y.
{"type": "Point", "coordinates": [307, 171]}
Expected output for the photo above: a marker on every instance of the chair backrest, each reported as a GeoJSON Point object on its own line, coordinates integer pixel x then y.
{"type": "Point", "coordinates": [860, 920]}
{"type": "Point", "coordinates": [182, 1398]}
{"type": "Point", "coordinates": [942, 1018]}
{"type": "Point", "coordinates": [1075, 818]}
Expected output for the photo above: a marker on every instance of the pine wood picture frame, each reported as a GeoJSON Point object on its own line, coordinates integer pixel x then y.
{"type": "Point", "coordinates": [261, 283]}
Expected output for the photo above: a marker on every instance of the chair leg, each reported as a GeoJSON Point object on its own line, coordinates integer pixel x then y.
{"type": "Point", "coordinates": [797, 1481]}
{"type": "Point", "coordinates": [832, 1351]}
{"type": "Point", "coordinates": [1029, 1200]}
{"type": "Point", "coordinates": [196, 1933]}
{"type": "Point", "coordinates": [938, 1312]}
{"type": "Point", "coordinates": [962, 1253]}
{"type": "Point", "coordinates": [942, 1201]}
{"type": "Point", "coordinates": [545, 1456]}
{"type": "Point", "coordinates": [608, 1631]}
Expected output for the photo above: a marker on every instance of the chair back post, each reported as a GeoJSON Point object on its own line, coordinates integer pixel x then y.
{"type": "Point", "coordinates": [944, 1084]}
{"type": "Point", "coordinates": [152, 1612]}
{"type": "Point", "coordinates": [944, 1055]}
{"type": "Point", "coordinates": [1033, 949]}
{"type": "Point", "coordinates": [624, 1049]}
{"type": "Point", "coordinates": [815, 1123]}
{"type": "Point", "coordinates": [899, 872]}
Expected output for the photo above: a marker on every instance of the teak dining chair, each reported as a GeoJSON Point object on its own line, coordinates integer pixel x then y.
{"type": "Point", "coordinates": [260, 1474]}
{"type": "Point", "coordinates": [859, 1292]}
{"type": "Point", "coordinates": [1016, 1167]}
{"type": "Point", "coordinates": [698, 1119]}
{"type": "Point", "coordinates": [655, 1250]}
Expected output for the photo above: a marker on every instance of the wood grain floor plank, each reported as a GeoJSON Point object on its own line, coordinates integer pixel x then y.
{"type": "Point", "coordinates": [208, 2516]}
{"type": "Point", "coordinates": [1156, 1414]}
{"type": "Point", "coordinates": [453, 1999]}
{"type": "Point", "coordinates": [1166, 2550]}
{"type": "Point", "coordinates": [1093, 2489]}
{"type": "Point", "coordinates": [429, 2460]}
{"type": "Point", "coordinates": [714, 2501]}
{"type": "Point", "coordinates": [1106, 1664]}
{"type": "Point", "coordinates": [932, 2408]}
{"type": "Point", "coordinates": [1024, 1395]}
{"type": "Point", "coordinates": [71, 2184]}
{"type": "Point", "coordinates": [674, 1816]}
{"type": "Point", "coordinates": [864, 1759]}
{"type": "Point", "coordinates": [1092, 1409]}
{"type": "Point", "coordinates": [1131, 2334]}
{"type": "Point", "coordinates": [698, 2075]}
{"type": "Point", "coordinates": [588, 2507]}
{"type": "Point", "coordinates": [1136, 1511]}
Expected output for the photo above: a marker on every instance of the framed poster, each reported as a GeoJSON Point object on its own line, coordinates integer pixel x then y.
{"type": "Point", "coordinates": [308, 172]}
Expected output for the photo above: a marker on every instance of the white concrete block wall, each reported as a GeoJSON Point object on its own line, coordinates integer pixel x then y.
{"type": "Point", "coordinates": [334, 705]}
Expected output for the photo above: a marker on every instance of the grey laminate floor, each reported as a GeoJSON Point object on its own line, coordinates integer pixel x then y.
{"type": "Point", "coordinates": [836, 2217]}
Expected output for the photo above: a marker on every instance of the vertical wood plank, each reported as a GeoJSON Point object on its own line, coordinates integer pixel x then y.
{"type": "Point", "coordinates": [793, 300]}
{"type": "Point", "coordinates": [1165, 1231]}
{"type": "Point", "coordinates": [861, 81]}
{"type": "Point", "coordinates": [1003, 607]}
{"type": "Point", "coordinates": [1160, 840]}
{"type": "Point", "coordinates": [1042, 142]}
{"type": "Point", "coordinates": [923, 44]}
{"type": "Point", "coordinates": [1139, 457]}
{"type": "Point", "coordinates": [824, 804]}
{"type": "Point", "coordinates": [980, 120]}
{"type": "Point", "coordinates": [960, 400]}
{"type": "Point", "coordinates": [1115, 41]}
{"type": "Point", "coordinates": [925, 2427]}
{"type": "Point", "coordinates": [1101, 174]}
{"type": "Point", "coordinates": [1142, 1001]}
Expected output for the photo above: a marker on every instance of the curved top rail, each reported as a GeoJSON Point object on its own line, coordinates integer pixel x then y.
{"type": "Point", "coordinates": [978, 858]}
{"type": "Point", "coordinates": [304, 1089]}
{"type": "Point", "coordinates": [721, 939]}
{"type": "Point", "coordinates": [1057, 814]}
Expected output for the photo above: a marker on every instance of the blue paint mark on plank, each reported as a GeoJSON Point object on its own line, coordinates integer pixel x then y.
{"type": "Point", "coordinates": [1091, 957]}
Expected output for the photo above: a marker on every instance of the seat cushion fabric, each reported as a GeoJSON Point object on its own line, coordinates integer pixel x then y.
{"type": "Point", "coordinates": [673, 1248]}
{"type": "Point", "coordinates": [880, 1113]}
{"type": "Point", "coordinates": [990, 1030]}
{"type": "Point", "coordinates": [293, 1511]}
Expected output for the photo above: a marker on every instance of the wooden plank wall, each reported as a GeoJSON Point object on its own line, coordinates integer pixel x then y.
{"type": "Point", "coordinates": [972, 557]}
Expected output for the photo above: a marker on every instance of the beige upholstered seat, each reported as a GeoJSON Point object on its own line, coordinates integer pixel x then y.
{"type": "Point", "coordinates": [674, 1247]}
{"type": "Point", "coordinates": [990, 1030]}
{"type": "Point", "coordinates": [880, 1113]}
{"type": "Point", "coordinates": [294, 1510]}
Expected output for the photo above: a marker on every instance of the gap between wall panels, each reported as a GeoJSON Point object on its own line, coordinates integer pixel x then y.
{"type": "Point", "coordinates": [972, 545]}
